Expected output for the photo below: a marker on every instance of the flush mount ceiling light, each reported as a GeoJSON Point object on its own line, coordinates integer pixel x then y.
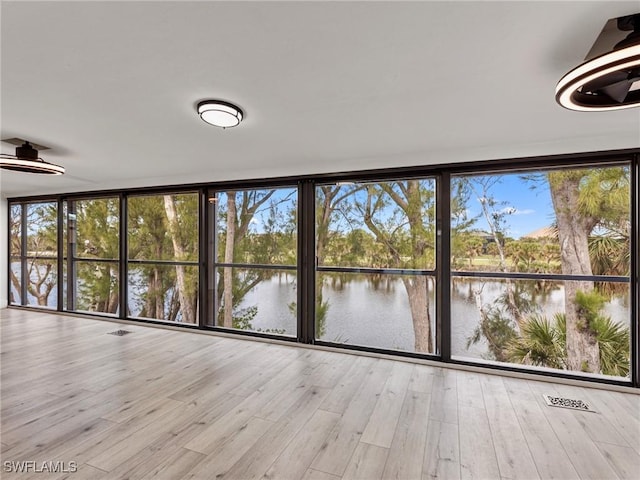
{"type": "Point", "coordinates": [219, 113]}
{"type": "Point", "coordinates": [607, 81]}
{"type": "Point", "coordinates": [26, 160]}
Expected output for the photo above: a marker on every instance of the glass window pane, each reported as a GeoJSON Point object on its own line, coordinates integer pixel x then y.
{"type": "Point", "coordinates": [15, 281]}
{"type": "Point", "coordinates": [97, 285]}
{"type": "Point", "coordinates": [42, 229]}
{"type": "Point", "coordinates": [163, 227]}
{"type": "Point", "coordinates": [518, 222]}
{"type": "Point", "coordinates": [391, 312]}
{"type": "Point", "coordinates": [379, 225]}
{"type": "Point", "coordinates": [264, 226]}
{"type": "Point", "coordinates": [42, 289]}
{"type": "Point", "coordinates": [261, 300]}
{"type": "Point", "coordinates": [15, 229]}
{"type": "Point", "coordinates": [97, 228]}
{"type": "Point", "coordinates": [573, 325]}
{"type": "Point", "coordinates": [164, 292]}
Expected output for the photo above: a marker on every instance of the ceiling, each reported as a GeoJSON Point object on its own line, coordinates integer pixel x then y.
{"type": "Point", "coordinates": [111, 87]}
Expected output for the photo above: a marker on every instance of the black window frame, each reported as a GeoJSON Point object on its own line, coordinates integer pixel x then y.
{"type": "Point", "coordinates": [306, 224]}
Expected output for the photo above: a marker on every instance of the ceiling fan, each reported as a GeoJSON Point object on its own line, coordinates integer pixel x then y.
{"type": "Point", "coordinates": [26, 159]}
{"type": "Point", "coordinates": [608, 80]}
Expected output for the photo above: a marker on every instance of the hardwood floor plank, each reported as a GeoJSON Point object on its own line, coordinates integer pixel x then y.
{"type": "Point", "coordinates": [442, 452]}
{"type": "Point", "coordinates": [111, 457]}
{"type": "Point", "coordinates": [312, 474]}
{"type": "Point", "coordinates": [296, 458]}
{"type": "Point", "coordinates": [39, 449]}
{"type": "Point", "coordinates": [406, 454]}
{"type": "Point", "coordinates": [171, 404]}
{"type": "Point", "coordinates": [367, 463]}
{"type": "Point", "coordinates": [39, 406]}
{"type": "Point", "coordinates": [585, 456]}
{"type": "Point", "coordinates": [624, 460]}
{"type": "Point", "coordinates": [550, 457]}
{"type": "Point", "coordinates": [277, 361]}
{"type": "Point", "coordinates": [422, 378]}
{"type": "Point", "coordinates": [444, 398]}
{"type": "Point", "coordinates": [268, 447]}
{"type": "Point", "coordinates": [172, 466]}
{"type": "Point", "coordinates": [598, 427]}
{"type": "Point", "coordinates": [512, 452]}
{"type": "Point", "coordinates": [381, 426]}
{"type": "Point", "coordinates": [229, 449]}
{"type": "Point", "coordinates": [343, 392]}
{"type": "Point", "coordinates": [469, 390]}
{"type": "Point", "coordinates": [329, 372]}
{"type": "Point", "coordinates": [346, 435]}
{"type": "Point", "coordinates": [611, 407]}
{"type": "Point", "coordinates": [477, 453]}
{"type": "Point", "coordinates": [173, 439]}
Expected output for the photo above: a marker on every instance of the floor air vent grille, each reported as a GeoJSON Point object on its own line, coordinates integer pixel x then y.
{"type": "Point", "coordinates": [568, 403]}
{"type": "Point", "coordinates": [119, 333]}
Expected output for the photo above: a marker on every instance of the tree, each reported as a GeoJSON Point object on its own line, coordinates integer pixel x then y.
{"type": "Point", "coordinates": [97, 224]}
{"type": "Point", "coordinates": [472, 246]}
{"type": "Point", "coordinates": [495, 213]}
{"type": "Point", "coordinates": [330, 203]}
{"type": "Point", "coordinates": [401, 216]}
{"type": "Point", "coordinates": [187, 291]}
{"type": "Point", "coordinates": [584, 199]}
{"type": "Point", "coordinates": [41, 231]}
{"type": "Point", "coordinates": [239, 244]}
{"type": "Point", "coordinates": [543, 341]}
{"type": "Point", "coordinates": [147, 241]}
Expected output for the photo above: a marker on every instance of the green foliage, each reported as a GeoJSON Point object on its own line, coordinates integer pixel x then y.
{"type": "Point", "coordinates": [498, 331]}
{"type": "Point", "coordinates": [541, 343]}
{"type": "Point", "coordinates": [589, 304]}
{"type": "Point", "coordinates": [243, 317]}
{"type": "Point", "coordinates": [614, 343]}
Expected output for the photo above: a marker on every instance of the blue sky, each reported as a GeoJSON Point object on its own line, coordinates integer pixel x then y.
{"type": "Point", "coordinates": [531, 207]}
{"type": "Point", "coordinates": [529, 203]}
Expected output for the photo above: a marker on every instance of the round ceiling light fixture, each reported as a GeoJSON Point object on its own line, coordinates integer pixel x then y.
{"type": "Point", "coordinates": [606, 82]}
{"type": "Point", "coordinates": [26, 160]}
{"type": "Point", "coordinates": [219, 113]}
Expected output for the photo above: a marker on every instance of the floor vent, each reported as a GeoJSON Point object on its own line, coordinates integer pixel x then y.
{"type": "Point", "coordinates": [568, 403]}
{"type": "Point", "coordinates": [119, 333]}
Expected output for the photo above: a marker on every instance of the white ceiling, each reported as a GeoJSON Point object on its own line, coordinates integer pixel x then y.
{"type": "Point", "coordinates": [111, 87]}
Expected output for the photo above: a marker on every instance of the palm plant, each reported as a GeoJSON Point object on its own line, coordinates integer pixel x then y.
{"type": "Point", "coordinates": [541, 342]}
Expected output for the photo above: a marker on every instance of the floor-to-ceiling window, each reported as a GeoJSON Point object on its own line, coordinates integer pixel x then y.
{"type": "Point", "coordinates": [375, 255]}
{"type": "Point", "coordinates": [33, 254]}
{"type": "Point", "coordinates": [93, 255]}
{"type": "Point", "coordinates": [162, 258]}
{"type": "Point", "coordinates": [541, 269]}
{"type": "Point", "coordinates": [513, 266]}
{"type": "Point", "coordinates": [255, 255]}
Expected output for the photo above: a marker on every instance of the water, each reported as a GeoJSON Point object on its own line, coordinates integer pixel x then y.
{"type": "Point", "coordinates": [374, 312]}
{"type": "Point", "coordinates": [361, 313]}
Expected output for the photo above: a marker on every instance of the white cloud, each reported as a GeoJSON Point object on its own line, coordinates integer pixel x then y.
{"type": "Point", "coordinates": [516, 211]}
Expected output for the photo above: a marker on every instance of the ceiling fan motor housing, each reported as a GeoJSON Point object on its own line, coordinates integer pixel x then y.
{"type": "Point", "coordinates": [27, 152]}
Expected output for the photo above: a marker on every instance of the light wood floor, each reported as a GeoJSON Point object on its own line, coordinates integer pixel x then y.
{"type": "Point", "coordinates": [181, 405]}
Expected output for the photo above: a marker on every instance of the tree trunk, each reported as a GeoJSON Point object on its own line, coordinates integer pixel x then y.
{"type": "Point", "coordinates": [583, 353]}
{"type": "Point", "coordinates": [418, 293]}
{"type": "Point", "coordinates": [228, 258]}
{"type": "Point", "coordinates": [184, 295]}
{"type": "Point", "coordinates": [158, 295]}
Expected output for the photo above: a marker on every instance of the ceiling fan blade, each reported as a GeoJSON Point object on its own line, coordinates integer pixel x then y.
{"type": "Point", "coordinates": [605, 81]}
{"type": "Point", "coordinates": [617, 91]}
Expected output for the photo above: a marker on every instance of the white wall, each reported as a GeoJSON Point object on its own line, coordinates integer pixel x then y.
{"type": "Point", "coordinates": [4, 252]}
